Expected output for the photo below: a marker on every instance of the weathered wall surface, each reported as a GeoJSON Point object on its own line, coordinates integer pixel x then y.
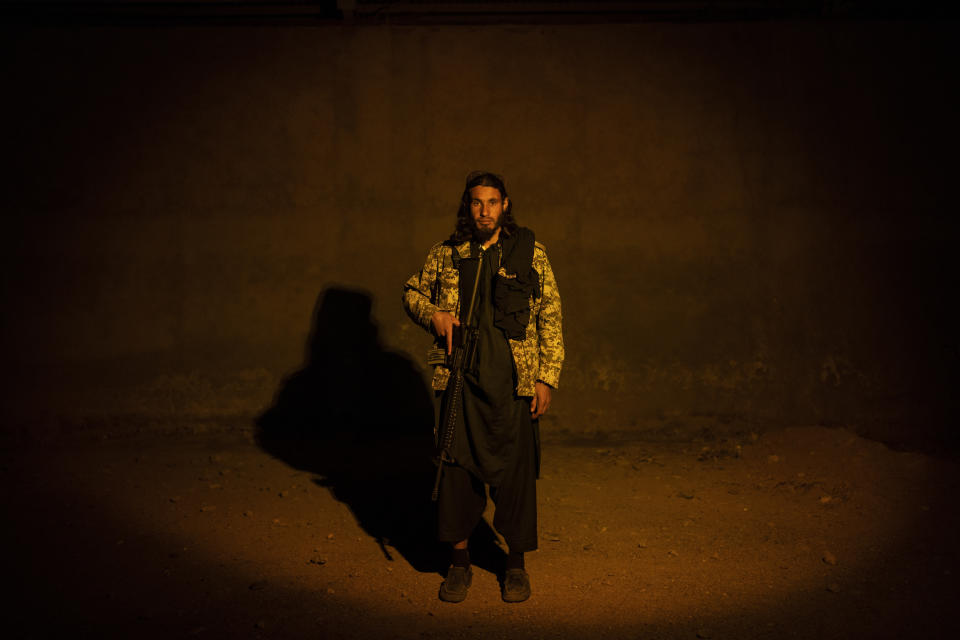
{"type": "Point", "coordinates": [749, 222]}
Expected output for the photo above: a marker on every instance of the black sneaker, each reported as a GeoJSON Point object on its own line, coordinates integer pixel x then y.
{"type": "Point", "coordinates": [454, 588]}
{"type": "Point", "coordinates": [516, 586]}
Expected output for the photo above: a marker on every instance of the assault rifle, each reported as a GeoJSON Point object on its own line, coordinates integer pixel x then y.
{"type": "Point", "coordinates": [463, 358]}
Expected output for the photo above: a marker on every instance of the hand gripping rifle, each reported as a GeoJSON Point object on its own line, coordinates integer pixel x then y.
{"type": "Point", "coordinates": [462, 359]}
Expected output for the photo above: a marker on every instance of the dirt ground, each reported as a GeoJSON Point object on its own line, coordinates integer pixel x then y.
{"type": "Point", "coordinates": [797, 533]}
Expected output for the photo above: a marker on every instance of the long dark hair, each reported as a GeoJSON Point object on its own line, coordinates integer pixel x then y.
{"type": "Point", "coordinates": [464, 229]}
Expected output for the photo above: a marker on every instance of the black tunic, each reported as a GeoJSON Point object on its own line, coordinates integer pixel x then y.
{"type": "Point", "coordinates": [495, 429]}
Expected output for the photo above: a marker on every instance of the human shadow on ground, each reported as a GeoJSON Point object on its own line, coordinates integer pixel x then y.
{"type": "Point", "coordinates": [361, 417]}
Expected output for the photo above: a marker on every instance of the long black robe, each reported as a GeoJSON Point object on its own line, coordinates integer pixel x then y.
{"type": "Point", "coordinates": [494, 431]}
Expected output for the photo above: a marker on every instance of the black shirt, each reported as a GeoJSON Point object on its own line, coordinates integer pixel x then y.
{"type": "Point", "coordinates": [495, 422]}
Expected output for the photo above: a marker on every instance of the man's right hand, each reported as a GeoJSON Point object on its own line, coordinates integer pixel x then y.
{"type": "Point", "coordinates": [443, 323]}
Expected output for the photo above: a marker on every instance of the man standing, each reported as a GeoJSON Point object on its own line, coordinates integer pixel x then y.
{"type": "Point", "coordinates": [508, 385]}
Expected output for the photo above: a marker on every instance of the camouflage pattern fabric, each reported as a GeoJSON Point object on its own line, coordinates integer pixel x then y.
{"type": "Point", "coordinates": [539, 356]}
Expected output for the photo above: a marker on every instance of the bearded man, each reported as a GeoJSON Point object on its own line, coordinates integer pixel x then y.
{"type": "Point", "coordinates": [508, 387]}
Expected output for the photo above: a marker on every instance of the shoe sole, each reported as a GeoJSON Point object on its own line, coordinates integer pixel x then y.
{"type": "Point", "coordinates": [452, 597]}
{"type": "Point", "coordinates": [513, 599]}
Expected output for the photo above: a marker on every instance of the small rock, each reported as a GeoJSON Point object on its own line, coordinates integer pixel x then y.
{"type": "Point", "coordinates": [587, 547]}
{"type": "Point", "coordinates": [207, 508]}
{"type": "Point", "coordinates": [642, 544]}
{"type": "Point", "coordinates": [329, 536]}
{"type": "Point", "coordinates": [833, 587]}
{"type": "Point", "coordinates": [260, 624]}
{"type": "Point", "coordinates": [773, 458]}
{"type": "Point", "coordinates": [704, 633]}
{"type": "Point", "coordinates": [829, 558]}
{"type": "Point", "coordinates": [247, 514]}
{"type": "Point", "coordinates": [283, 494]}
{"type": "Point", "coordinates": [258, 585]}
{"type": "Point", "coordinates": [175, 499]}
{"type": "Point", "coordinates": [673, 553]}
{"type": "Point", "coordinates": [685, 495]}
{"type": "Point", "coordinates": [318, 560]}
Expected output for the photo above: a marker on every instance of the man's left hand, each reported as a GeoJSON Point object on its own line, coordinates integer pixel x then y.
{"type": "Point", "coordinates": [541, 400]}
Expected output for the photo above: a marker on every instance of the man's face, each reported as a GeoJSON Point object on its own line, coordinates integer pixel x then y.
{"type": "Point", "coordinates": [486, 208]}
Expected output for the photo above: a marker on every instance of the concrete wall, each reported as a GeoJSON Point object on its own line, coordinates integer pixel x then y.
{"type": "Point", "coordinates": [749, 222]}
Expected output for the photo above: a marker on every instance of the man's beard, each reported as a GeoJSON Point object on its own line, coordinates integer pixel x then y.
{"type": "Point", "coordinates": [483, 233]}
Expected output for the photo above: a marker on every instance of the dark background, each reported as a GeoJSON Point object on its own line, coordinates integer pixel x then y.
{"type": "Point", "coordinates": [750, 212]}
